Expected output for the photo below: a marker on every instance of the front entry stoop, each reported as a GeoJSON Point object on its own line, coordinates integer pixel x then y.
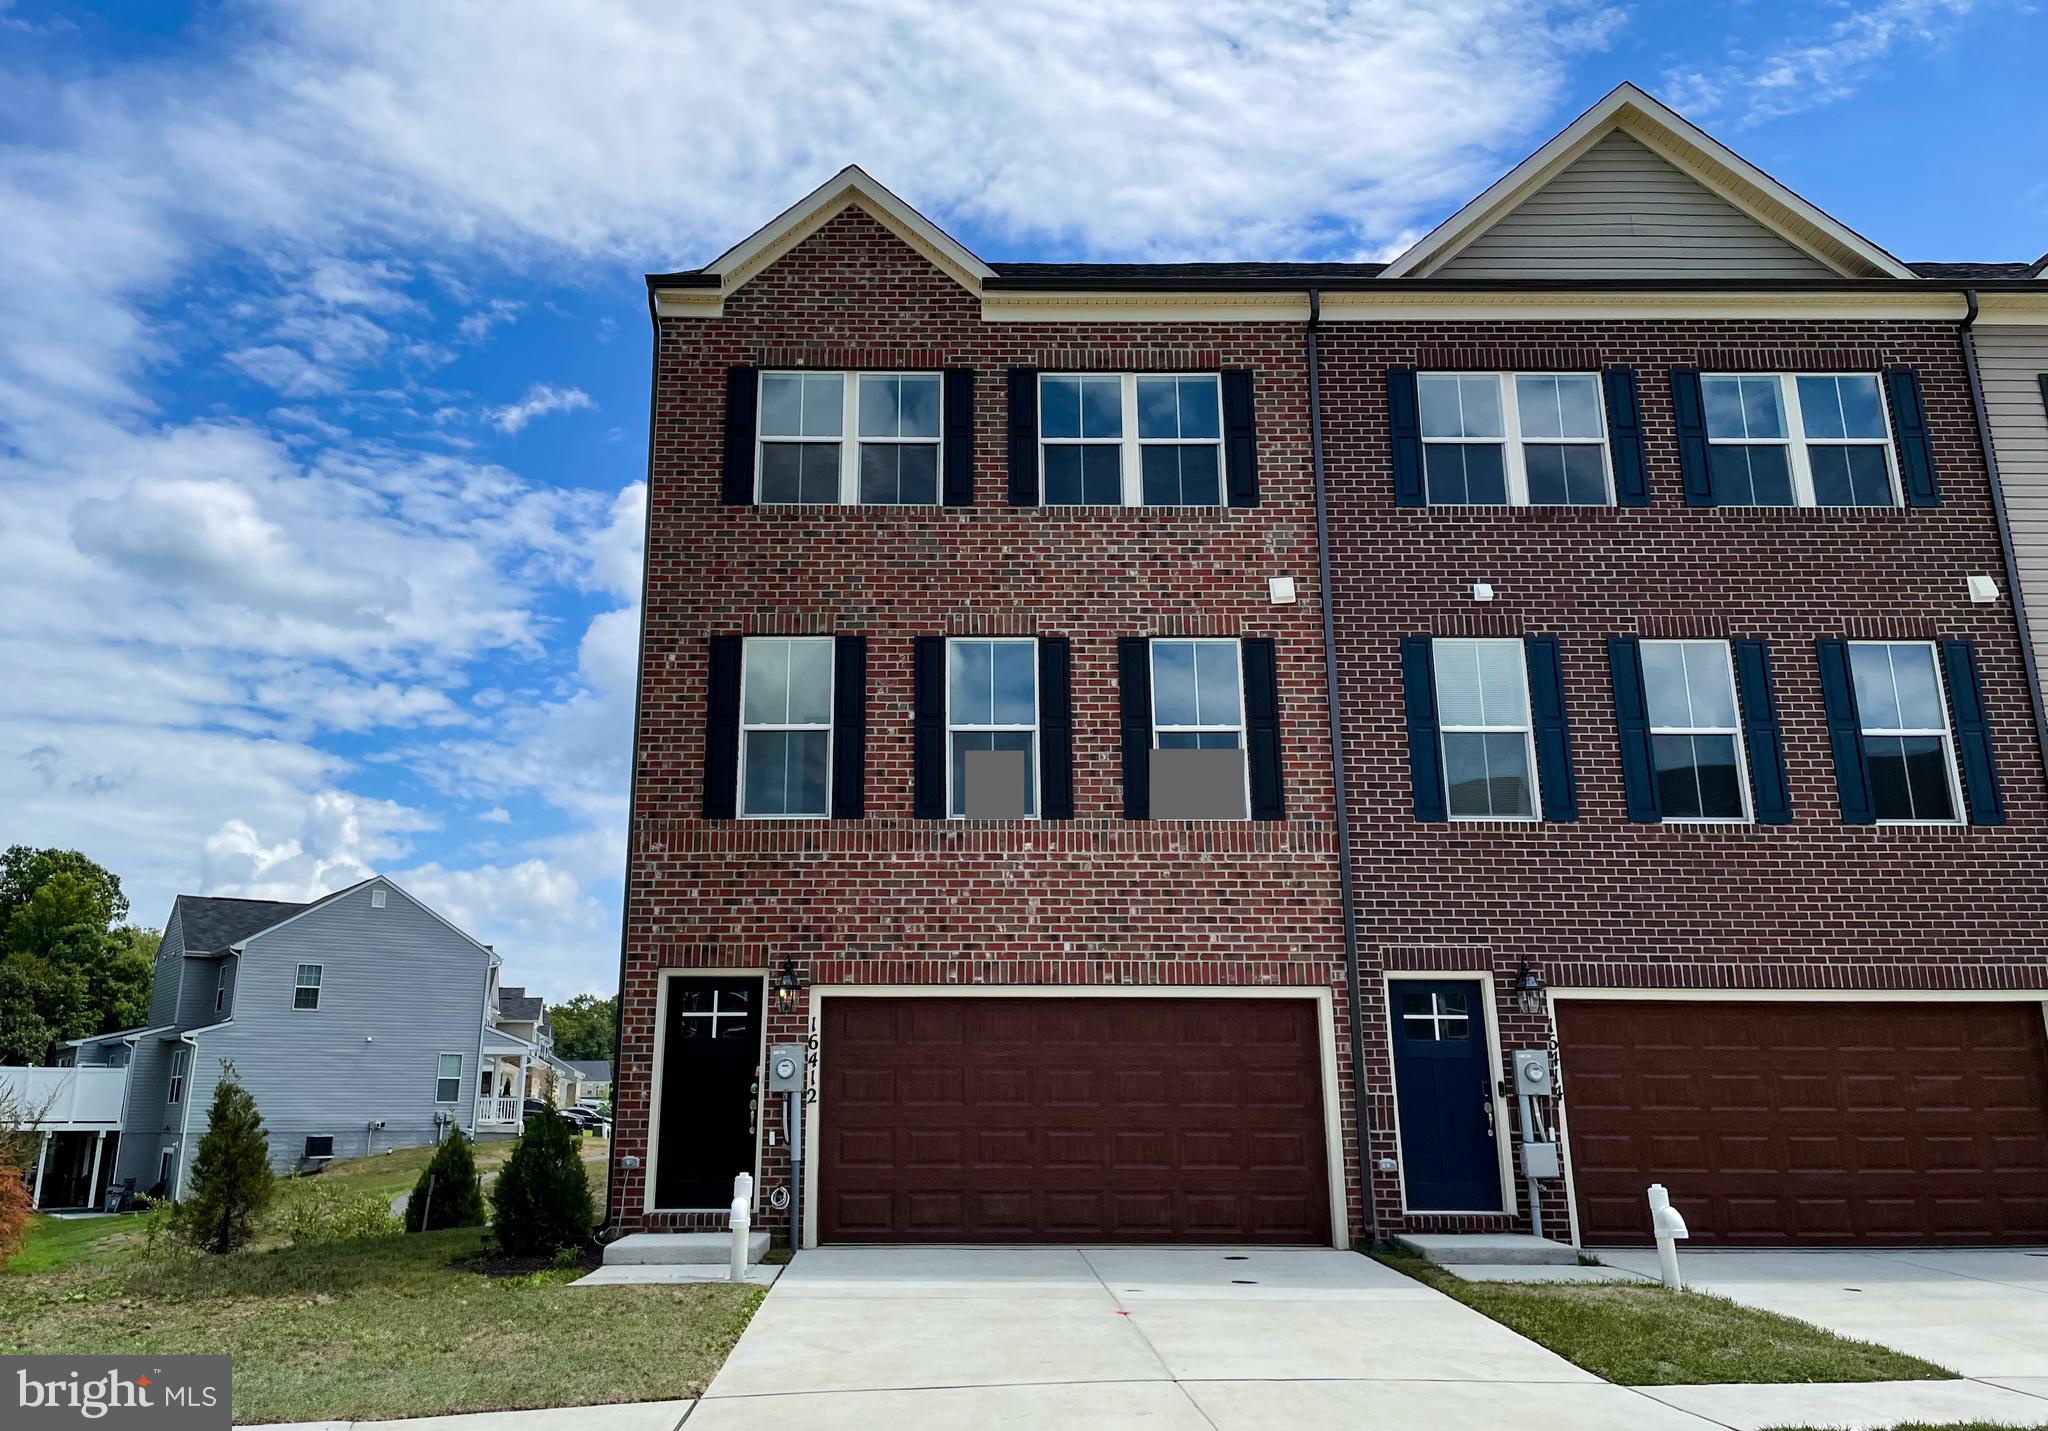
{"type": "Point", "coordinates": [1463, 1249]}
{"type": "Point", "coordinates": [680, 1249]}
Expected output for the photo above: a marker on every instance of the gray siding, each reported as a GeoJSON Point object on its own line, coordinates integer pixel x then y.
{"type": "Point", "coordinates": [163, 988]}
{"type": "Point", "coordinates": [2012, 360]}
{"type": "Point", "coordinates": [149, 1122]}
{"type": "Point", "coordinates": [195, 1000]}
{"type": "Point", "coordinates": [1621, 211]}
{"type": "Point", "coordinates": [398, 989]}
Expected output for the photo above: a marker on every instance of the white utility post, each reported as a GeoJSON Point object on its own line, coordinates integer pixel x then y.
{"type": "Point", "coordinates": [742, 1223]}
{"type": "Point", "coordinates": [1669, 1226]}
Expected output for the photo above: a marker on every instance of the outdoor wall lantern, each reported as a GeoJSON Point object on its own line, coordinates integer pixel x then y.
{"type": "Point", "coordinates": [786, 986]}
{"type": "Point", "coordinates": [1529, 988]}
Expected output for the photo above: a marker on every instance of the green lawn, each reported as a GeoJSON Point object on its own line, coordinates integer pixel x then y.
{"type": "Point", "coordinates": [395, 1326]}
{"type": "Point", "coordinates": [1643, 1335]}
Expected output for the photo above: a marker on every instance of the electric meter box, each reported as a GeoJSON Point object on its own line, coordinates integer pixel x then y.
{"type": "Point", "coordinates": [1532, 1073]}
{"type": "Point", "coordinates": [1539, 1160]}
{"type": "Point", "coordinates": [786, 1068]}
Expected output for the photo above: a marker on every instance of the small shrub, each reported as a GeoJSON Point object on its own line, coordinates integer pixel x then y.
{"type": "Point", "coordinates": [447, 1194]}
{"type": "Point", "coordinates": [541, 1202]}
{"type": "Point", "coordinates": [15, 1211]}
{"type": "Point", "coordinates": [315, 1214]}
{"type": "Point", "coordinates": [163, 1236]}
{"type": "Point", "coordinates": [231, 1178]}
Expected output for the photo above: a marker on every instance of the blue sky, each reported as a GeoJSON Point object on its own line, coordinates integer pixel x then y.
{"type": "Point", "coordinates": [323, 346]}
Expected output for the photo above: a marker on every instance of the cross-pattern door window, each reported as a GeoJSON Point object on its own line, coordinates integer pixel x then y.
{"type": "Point", "coordinates": [181, 1065]}
{"type": "Point", "coordinates": [991, 704]}
{"type": "Point", "coordinates": [1907, 747]}
{"type": "Point", "coordinates": [448, 1078]}
{"type": "Point", "coordinates": [1810, 440]}
{"type": "Point", "coordinates": [714, 1012]}
{"type": "Point", "coordinates": [1130, 439]}
{"type": "Point", "coordinates": [1435, 1016]}
{"type": "Point", "coordinates": [1546, 448]}
{"type": "Point", "coordinates": [786, 726]}
{"type": "Point", "coordinates": [1482, 700]}
{"type": "Point", "coordinates": [306, 987]}
{"type": "Point", "coordinates": [803, 455]}
{"type": "Point", "coordinates": [1695, 733]}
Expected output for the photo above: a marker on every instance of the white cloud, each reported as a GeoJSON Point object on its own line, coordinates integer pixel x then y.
{"type": "Point", "coordinates": [1795, 75]}
{"type": "Point", "coordinates": [540, 400]}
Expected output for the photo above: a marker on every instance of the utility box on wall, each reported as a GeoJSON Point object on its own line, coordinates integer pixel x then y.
{"type": "Point", "coordinates": [786, 1068]}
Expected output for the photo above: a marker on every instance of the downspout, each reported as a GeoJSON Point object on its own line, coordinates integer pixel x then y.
{"type": "Point", "coordinates": [611, 1162]}
{"type": "Point", "coordinates": [177, 1183]}
{"type": "Point", "coordinates": [1347, 895]}
{"type": "Point", "coordinates": [2012, 565]}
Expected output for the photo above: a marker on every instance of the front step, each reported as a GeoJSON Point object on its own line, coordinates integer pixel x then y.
{"type": "Point", "coordinates": [680, 1249]}
{"type": "Point", "coordinates": [1461, 1249]}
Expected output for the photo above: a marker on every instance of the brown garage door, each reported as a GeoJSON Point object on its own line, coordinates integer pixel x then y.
{"type": "Point", "coordinates": [1071, 1120]}
{"type": "Point", "coordinates": [1809, 1123]}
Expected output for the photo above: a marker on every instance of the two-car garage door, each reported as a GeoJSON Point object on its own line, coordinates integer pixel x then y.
{"type": "Point", "coordinates": [1137, 1119]}
{"type": "Point", "coordinates": [1809, 1123]}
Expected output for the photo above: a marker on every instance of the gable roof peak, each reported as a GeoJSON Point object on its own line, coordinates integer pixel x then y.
{"type": "Point", "coordinates": [1669, 135]}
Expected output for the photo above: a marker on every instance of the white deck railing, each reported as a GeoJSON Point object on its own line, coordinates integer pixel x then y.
{"type": "Point", "coordinates": [66, 1100]}
{"type": "Point", "coordinates": [498, 1112]}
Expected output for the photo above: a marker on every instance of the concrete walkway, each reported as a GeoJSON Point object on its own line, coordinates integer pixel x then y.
{"type": "Point", "coordinates": [1212, 1339]}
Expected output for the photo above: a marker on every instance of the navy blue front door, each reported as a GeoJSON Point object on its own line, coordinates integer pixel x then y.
{"type": "Point", "coordinates": [1443, 1094]}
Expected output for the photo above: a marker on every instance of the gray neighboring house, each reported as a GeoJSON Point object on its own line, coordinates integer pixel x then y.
{"type": "Point", "coordinates": [357, 1022]}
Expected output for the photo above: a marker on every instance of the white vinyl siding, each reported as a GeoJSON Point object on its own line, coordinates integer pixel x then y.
{"type": "Point", "coordinates": [2012, 361]}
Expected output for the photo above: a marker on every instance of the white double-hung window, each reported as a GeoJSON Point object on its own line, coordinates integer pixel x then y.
{"type": "Point", "coordinates": [1695, 732]}
{"type": "Point", "coordinates": [1799, 440]}
{"type": "Point", "coordinates": [1907, 746]}
{"type": "Point", "coordinates": [786, 727]}
{"type": "Point", "coordinates": [1130, 439]}
{"type": "Point", "coordinates": [866, 439]}
{"type": "Point", "coordinates": [991, 705]}
{"type": "Point", "coordinates": [1513, 439]}
{"type": "Point", "coordinates": [1482, 702]}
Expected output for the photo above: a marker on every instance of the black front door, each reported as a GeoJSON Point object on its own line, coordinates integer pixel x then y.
{"type": "Point", "coordinates": [710, 1056]}
{"type": "Point", "coordinates": [1443, 1096]}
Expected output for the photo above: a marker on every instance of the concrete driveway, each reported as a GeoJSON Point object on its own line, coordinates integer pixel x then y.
{"type": "Point", "coordinates": [1984, 1314]}
{"type": "Point", "coordinates": [1210, 1339]}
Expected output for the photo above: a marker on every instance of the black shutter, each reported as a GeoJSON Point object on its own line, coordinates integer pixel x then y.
{"type": "Point", "coordinates": [1909, 426]}
{"type": "Point", "coordinates": [1972, 732]}
{"type": "Point", "coordinates": [742, 401]}
{"type": "Point", "coordinates": [1625, 438]}
{"type": "Point", "coordinates": [1632, 729]}
{"type": "Point", "coordinates": [1845, 732]}
{"type": "Point", "coordinates": [928, 728]}
{"type": "Point", "coordinates": [1425, 752]}
{"type": "Point", "coordinates": [1404, 425]}
{"type": "Point", "coordinates": [1770, 792]}
{"type": "Point", "coordinates": [1134, 716]}
{"type": "Point", "coordinates": [1553, 733]}
{"type": "Point", "coordinates": [1689, 415]}
{"type": "Point", "coordinates": [849, 727]}
{"type": "Point", "coordinates": [1262, 727]}
{"type": "Point", "coordinates": [1055, 729]}
{"type": "Point", "coordinates": [1023, 437]}
{"type": "Point", "coordinates": [958, 480]}
{"type": "Point", "coordinates": [722, 729]}
{"type": "Point", "coordinates": [1240, 439]}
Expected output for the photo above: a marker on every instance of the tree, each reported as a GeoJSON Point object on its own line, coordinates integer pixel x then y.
{"type": "Point", "coordinates": [541, 1202]}
{"type": "Point", "coordinates": [18, 1146]}
{"type": "Point", "coordinates": [447, 1194]}
{"type": "Point", "coordinates": [65, 971]}
{"type": "Point", "coordinates": [231, 1178]}
{"type": "Point", "coordinates": [584, 1027]}
{"type": "Point", "coordinates": [25, 869]}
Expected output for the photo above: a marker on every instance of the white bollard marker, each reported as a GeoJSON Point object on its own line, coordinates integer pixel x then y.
{"type": "Point", "coordinates": [1669, 1226]}
{"type": "Point", "coordinates": [742, 1219]}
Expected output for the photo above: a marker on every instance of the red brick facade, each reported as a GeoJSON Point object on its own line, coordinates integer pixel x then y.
{"type": "Point", "coordinates": [1098, 900]}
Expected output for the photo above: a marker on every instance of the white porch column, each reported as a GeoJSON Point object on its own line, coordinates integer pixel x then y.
{"type": "Point", "coordinates": [92, 1179]}
{"type": "Point", "coordinates": [520, 1093]}
{"type": "Point", "coordinates": [35, 1192]}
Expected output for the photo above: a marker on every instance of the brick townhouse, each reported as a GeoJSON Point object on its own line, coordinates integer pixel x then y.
{"type": "Point", "coordinates": [1639, 519]}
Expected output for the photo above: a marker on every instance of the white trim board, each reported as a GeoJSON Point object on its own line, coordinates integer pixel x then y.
{"type": "Point", "coordinates": [1326, 1025]}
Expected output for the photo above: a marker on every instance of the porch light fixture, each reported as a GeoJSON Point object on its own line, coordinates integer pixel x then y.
{"type": "Point", "coordinates": [786, 986]}
{"type": "Point", "coordinates": [1529, 989]}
